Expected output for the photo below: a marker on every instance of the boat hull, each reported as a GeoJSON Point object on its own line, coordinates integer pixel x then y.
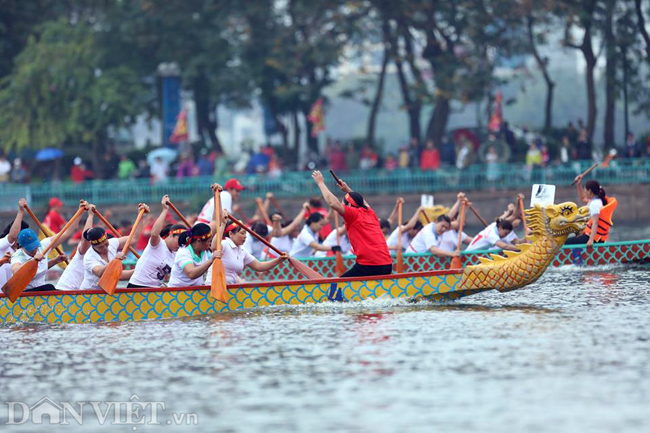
{"type": "Point", "coordinates": [131, 305]}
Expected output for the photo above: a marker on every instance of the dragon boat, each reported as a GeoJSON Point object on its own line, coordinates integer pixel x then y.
{"type": "Point", "coordinates": [550, 226]}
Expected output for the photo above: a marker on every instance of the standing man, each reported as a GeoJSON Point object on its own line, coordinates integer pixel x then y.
{"type": "Point", "coordinates": [228, 196]}
{"type": "Point", "coordinates": [363, 229]}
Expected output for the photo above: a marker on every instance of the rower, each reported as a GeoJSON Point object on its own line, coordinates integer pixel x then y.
{"type": "Point", "coordinates": [31, 248]}
{"type": "Point", "coordinates": [235, 258]}
{"type": "Point", "coordinates": [306, 244]}
{"type": "Point", "coordinates": [254, 246]}
{"type": "Point", "coordinates": [601, 209]}
{"type": "Point", "coordinates": [8, 242]}
{"type": "Point", "coordinates": [228, 196]}
{"type": "Point", "coordinates": [194, 257]}
{"type": "Point", "coordinates": [449, 241]}
{"type": "Point", "coordinates": [102, 251]}
{"type": "Point", "coordinates": [430, 238]}
{"type": "Point", "coordinates": [155, 264]}
{"type": "Point", "coordinates": [362, 225]}
{"type": "Point", "coordinates": [284, 234]}
{"type": "Point", "coordinates": [499, 234]}
{"type": "Point", "coordinates": [73, 275]}
{"type": "Point", "coordinates": [331, 240]}
{"type": "Point", "coordinates": [410, 229]}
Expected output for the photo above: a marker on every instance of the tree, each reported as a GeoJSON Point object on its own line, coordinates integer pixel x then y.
{"type": "Point", "coordinates": [60, 91]}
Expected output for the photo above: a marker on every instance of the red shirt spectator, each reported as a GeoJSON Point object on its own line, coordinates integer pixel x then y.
{"type": "Point", "coordinates": [79, 173]}
{"type": "Point", "coordinates": [338, 159]}
{"type": "Point", "coordinates": [53, 219]}
{"type": "Point", "coordinates": [430, 158]}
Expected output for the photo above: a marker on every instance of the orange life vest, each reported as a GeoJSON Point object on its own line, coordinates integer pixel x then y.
{"type": "Point", "coordinates": [604, 220]}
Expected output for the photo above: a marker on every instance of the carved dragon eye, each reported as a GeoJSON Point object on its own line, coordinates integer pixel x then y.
{"type": "Point", "coordinates": [566, 210]}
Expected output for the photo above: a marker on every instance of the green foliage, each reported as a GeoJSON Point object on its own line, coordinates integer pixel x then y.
{"type": "Point", "coordinates": [60, 93]}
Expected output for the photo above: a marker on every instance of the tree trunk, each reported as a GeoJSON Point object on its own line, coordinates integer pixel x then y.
{"type": "Point", "coordinates": [312, 142]}
{"type": "Point", "coordinates": [542, 63]}
{"type": "Point", "coordinates": [592, 110]}
{"type": "Point", "coordinates": [206, 117]}
{"type": "Point", "coordinates": [610, 76]}
{"type": "Point", "coordinates": [641, 24]}
{"type": "Point", "coordinates": [296, 132]}
{"type": "Point", "coordinates": [374, 111]}
{"type": "Point", "coordinates": [439, 119]}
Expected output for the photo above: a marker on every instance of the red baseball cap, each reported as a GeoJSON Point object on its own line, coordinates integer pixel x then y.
{"type": "Point", "coordinates": [234, 184]}
{"type": "Point", "coordinates": [54, 201]}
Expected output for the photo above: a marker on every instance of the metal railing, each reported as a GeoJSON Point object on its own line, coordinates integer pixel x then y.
{"type": "Point", "coordinates": [370, 182]}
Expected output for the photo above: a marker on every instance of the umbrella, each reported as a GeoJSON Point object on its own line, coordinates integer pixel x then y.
{"type": "Point", "coordinates": [168, 155]}
{"type": "Point", "coordinates": [48, 154]}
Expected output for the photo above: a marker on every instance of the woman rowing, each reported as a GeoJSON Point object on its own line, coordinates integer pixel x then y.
{"type": "Point", "coordinates": [499, 234]}
{"type": "Point", "coordinates": [32, 248]}
{"type": "Point", "coordinates": [8, 242]}
{"type": "Point", "coordinates": [235, 258]}
{"type": "Point", "coordinates": [306, 244]}
{"type": "Point", "coordinates": [73, 275]}
{"type": "Point", "coordinates": [155, 264]}
{"type": "Point", "coordinates": [601, 209]}
{"type": "Point", "coordinates": [363, 229]}
{"type": "Point", "coordinates": [102, 251]}
{"type": "Point", "coordinates": [410, 229]}
{"type": "Point", "coordinates": [284, 233]}
{"type": "Point", "coordinates": [194, 257]}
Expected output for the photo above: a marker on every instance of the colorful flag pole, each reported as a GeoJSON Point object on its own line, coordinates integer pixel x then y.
{"type": "Point", "coordinates": [180, 133]}
{"type": "Point", "coordinates": [317, 118]}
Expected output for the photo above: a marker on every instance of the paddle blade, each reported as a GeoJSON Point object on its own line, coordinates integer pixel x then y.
{"type": "Point", "coordinates": [456, 263]}
{"type": "Point", "coordinates": [305, 270]}
{"type": "Point", "coordinates": [340, 267]}
{"type": "Point", "coordinates": [111, 275]}
{"type": "Point", "coordinates": [20, 280]}
{"type": "Point", "coordinates": [399, 267]}
{"type": "Point", "coordinates": [218, 289]}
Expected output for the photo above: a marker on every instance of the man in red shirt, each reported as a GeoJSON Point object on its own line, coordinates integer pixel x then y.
{"type": "Point", "coordinates": [363, 229]}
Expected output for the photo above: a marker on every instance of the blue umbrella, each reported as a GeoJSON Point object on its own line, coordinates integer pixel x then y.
{"type": "Point", "coordinates": [48, 154]}
{"type": "Point", "coordinates": [165, 153]}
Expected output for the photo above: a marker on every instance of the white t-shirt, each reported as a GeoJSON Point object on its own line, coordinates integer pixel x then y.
{"type": "Point", "coordinates": [5, 270]}
{"type": "Point", "coordinates": [234, 260]}
{"type": "Point", "coordinates": [22, 257]}
{"type": "Point", "coordinates": [425, 239]}
{"type": "Point", "coordinates": [488, 238]}
{"type": "Point", "coordinates": [595, 205]}
{"type": "Point", "coordinates": [185, 256]}
{"type": "Point", "coordinates": [208, 209]}
{"type": "Point", "coordinates": [73, 275]}
{"type": "Point", "coordinates": [449, 240]}
{"type": "Point", "coordinates": [283, 243]}
{"type": "Point", "coordinates": [301, 246]}
{"type": "Point", "coordinates": [153, 266]}
{"type": "Point", "coordinates": [330, 241]}
{"type": "Point", "coordinates": [392, 241]}
{"type": "Point", "coordinates": [92, 260]}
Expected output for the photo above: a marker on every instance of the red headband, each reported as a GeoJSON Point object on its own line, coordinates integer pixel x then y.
{"type": "Point", "coordinates": [201, 237]}
{"type": "Point", "coordinates": [175, 232]}
{"type": "Point", "coordinates": [229, 228]}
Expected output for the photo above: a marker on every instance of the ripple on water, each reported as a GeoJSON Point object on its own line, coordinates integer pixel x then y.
{"type": "Point", "coordinates": [569, 353]}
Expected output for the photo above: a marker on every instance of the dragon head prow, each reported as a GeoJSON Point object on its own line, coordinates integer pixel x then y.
{"type": "Point", "coordinates": [557, 221]}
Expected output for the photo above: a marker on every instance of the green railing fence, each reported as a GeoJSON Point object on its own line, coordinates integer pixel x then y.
{"type": "Point", "coordinates": [371, 182]}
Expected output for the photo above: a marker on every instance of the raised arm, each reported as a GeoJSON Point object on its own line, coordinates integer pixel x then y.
{"type": "Point", "coordinates": [330, 198]}
{"type": "Point", "coordinates": [392, 219]}
{"type": "Point", "coordinates": [84, 245]}
{"type": "Point", "coordinates": [213, 223]}
{"type": "Point", "coordinates": [414, 219]}
{"type": "Point", "coordinates": [454, 209]}
{"type": "Point", "coordinates": [160, 222]}
{"type": "Point", "coordinates": [68, 234]}
{"type": "Point", "coordinates": [580, 189]}
{"type": "Point", "coordinates": [296, 221]}
{"type": "Point", "coordinates": [15, 227]}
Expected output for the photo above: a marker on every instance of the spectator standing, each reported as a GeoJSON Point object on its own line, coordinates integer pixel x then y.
{"type": "Point", "coordinates": [403, 157]}
{"type": "Point", "coordinates": [390, 163]}
{"type": "Point", "coordinates": [159, 170]}
{"type": "Point", "coordinates": [109, 165]}
{"type": "Point", "coordinates": [631, 146]}
{"type": "Point", "coordinates": [430, 158]}
{"type": "Point", "coordinates": [337, 161]}
{"type": "Point", "coordinates": [205, 165]}
{"type": "Point", "coordinates": [351, 158]}
{"type": "Point", "coordinates": [18, 172]}
{"type": "Point", "coordinates": [5, 168]}
{"type": "Point", "coordinates": [414, 153]}
{"type": "Point", "coordinates": [53, 219]}
{"type": "Point", "coordinates": [533, 156]}
{"type": "Point", "coordinates": [259, 163]}
{"type": "Point", "coordinates": [79, 173]}
{"type": "Point", "coordinates": [566, 153]}
{"type": "Point", "coordinates": [447, 151]}
{"type": "Point", "coordinates": [275, 168]}
{"type": "Point", "coordinates": [368, 158]}
{"type": "Point", "coordinates": [583, 146]}
{"type": "Point", "coordinates": [546, 156]}
{"type": "Point", "coordinates": [126, 169]}
{"type": "Point", "coordinates": [186, 167]}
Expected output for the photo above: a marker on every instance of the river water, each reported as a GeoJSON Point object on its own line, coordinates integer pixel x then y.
{"type": "Point", "coordinates": [570, 353]}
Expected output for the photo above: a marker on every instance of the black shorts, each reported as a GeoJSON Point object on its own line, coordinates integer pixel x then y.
{"type": "Point", "coordinates": [368, 270]}
{"type": "Point", "coordinates": [579, 240]}
{"type": "Point", "coordinates": [135, 286]}
{"type": "Point", "coordinates": [43, 288]}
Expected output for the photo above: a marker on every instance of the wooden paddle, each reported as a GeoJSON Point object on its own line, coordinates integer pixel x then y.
{"type": "Point", "coordinates": [456, 262]}
{"type": "Point", "coordinates": [180, 215]}
{"type": "Point", "coordinates": [112, 229]}
{"type": "Point", "coordinates": [26, 273]}
{"type": "Point", "coordinates": [113, 272]}
{"type": "Point", "coordinates": [426, 217]}
{"type": "Point", "coordinates": [399, 267]}
{"type": "Point", "coordinates": [589, 170]}
{"type": "Point", "coordinates": [263, 212]}
{"type": "Point", "coordinates": [46, 232]}
{"type": "Point", "coordinates": [340, 267]}
{"type": "Point", "coordinates": [297, 264]}
{"type": "Point", "coordinates": [218, 288]}
{"type": "Point", "coordinates": [611, 155]}
{"type": "Point", "coordinates": [478, 215]}
{"type": "Point", "coordinates": [520, 198]}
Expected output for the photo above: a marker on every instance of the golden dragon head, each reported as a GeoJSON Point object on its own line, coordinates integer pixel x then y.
{"type": "Point", "coordinates": [557, 221]}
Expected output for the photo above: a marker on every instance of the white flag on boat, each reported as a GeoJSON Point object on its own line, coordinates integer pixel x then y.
{"type": "Point", "coordinates": [426, 200]}
{"type": "Point", "coordinates": [544, 195]}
